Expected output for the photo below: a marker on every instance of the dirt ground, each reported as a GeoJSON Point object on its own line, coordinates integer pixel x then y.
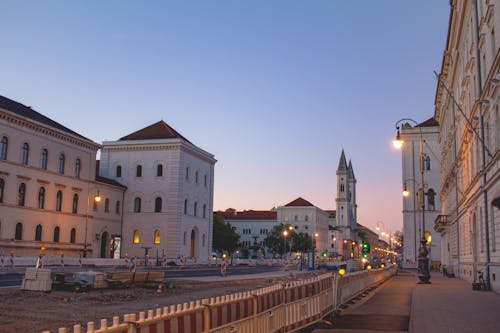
{"type": "Point", "coordinates": [34, 312]}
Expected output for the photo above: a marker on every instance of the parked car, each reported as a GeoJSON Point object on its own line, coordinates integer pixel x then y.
{"type": "Point", "coordinates": [64, 281]}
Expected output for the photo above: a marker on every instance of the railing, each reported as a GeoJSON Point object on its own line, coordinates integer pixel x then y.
{"type": "Point", "coordinates": [284, 307]}
{"type": "Point", "coordinates": [440, 222]}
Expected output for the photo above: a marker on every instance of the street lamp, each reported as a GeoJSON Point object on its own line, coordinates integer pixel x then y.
{"type": "Point", "coordinates": [97, 199]}
{"type": "Point", "coordinates": [285, 233]}
{"type": "Point", "coordinates": [423, 260]}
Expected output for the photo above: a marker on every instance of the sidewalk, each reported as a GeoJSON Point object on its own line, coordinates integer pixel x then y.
{"type": "Point", "coordinates": [402, 305]}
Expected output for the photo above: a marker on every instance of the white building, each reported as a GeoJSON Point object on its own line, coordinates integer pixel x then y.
{"type": "Point", "coordinates": [413, 224]}
{"type": "Point", "coordinates": [168, 204]}
{"type": "Point", "coordinates": [253, 226]}
{"type": "Point", "coordinates": [467, 109]}
{"type": "Point", "coordinates": [47, 187]}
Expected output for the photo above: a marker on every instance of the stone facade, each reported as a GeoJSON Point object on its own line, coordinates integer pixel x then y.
{"type": "Point", "coordinates": [467, 109]}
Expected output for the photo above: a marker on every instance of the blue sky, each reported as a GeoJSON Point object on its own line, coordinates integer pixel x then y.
{"type": "Point", "coordinates": [274, 89]}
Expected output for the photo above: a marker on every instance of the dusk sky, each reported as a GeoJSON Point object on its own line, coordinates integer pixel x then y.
{"type": "Point", "coordinates": [274, 89]}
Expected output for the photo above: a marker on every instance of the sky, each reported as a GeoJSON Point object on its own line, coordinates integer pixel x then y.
{"type": "Point", "coordinates": [274, 89]}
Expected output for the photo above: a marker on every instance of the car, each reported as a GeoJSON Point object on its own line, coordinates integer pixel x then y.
{"type": "Point", "coordinates": [67, 282]}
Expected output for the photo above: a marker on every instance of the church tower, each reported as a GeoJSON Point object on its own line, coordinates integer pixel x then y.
{"type": "Point", "coordinates": [351, 181]}
{"type": "Point", "coordinates": [343, 198]}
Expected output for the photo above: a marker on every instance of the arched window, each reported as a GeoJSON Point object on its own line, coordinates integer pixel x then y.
{"type": "Point", "coordinates": [45, 158]}
{"type": "Point", "coordinates": [62, 161]}
{"type": "Point", "coordinates": [196, 177]}
{"type": "Point", "coordinates": [41, 197]}
{"type": "Point", "coordinates": [106, 205]}
{"type": "Point", "coordinates": [118, 171]}
{"type": "Point", "coordinates": [59, 201]}
{"type": "Point", "coordinates": [342, 188]}
{"type": "Point", "coordinates": [137, 205]}
{"type": "Point", "coordinates": [74, 209]}
{"type": "Point", "coordinates": [195, 208]}
{"type": "Point", "coordinates": [56, 234]}
{"type": "Point", "coordinates": [26, 154]}
{"type": "Point", "coordinates": [3, 148]}
{"type": "Point", "coordinates": [158, 204]}
{"type": "Point", "coordinates": [185, 206]}
{"type": "Point", "coordinates": [184, 238]}
{"type": "Point", "coordinates": [78, 165]}
{"type": "Point", "coordinates": [431, 199]}
{"type": "Point", "coordinates": [2, 186]}
{"type": "Point", "coordinates": [21, 195]}
{"type": "Point", "coordinates": [138, 171]}
{"type": "Point", "coordinates": [117, 207]}
{"type": "Point", "coordinates": [204, 210]}
{"type": "Point", "coordinates": [427, 163]}
{"type": "Point", "coordinates": [136, 237]}
{"type": "Point", "coordinates": [38, 233]}
{"type": "Point", "coordinates": [72, 236]}
{"type": "Point", "coordinates": [157, 237]}
{"type": "Point", "coordinates": [159, 170]}
{"type": "Point", "coordinates": [19, 231]}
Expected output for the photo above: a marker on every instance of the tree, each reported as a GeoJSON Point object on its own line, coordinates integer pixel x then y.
{"type": "Point", "coordinates": [275, 239]}
{"type": "Point", "coordinates": [295, 242]}
{"type": "Point", "coordinates": [225, 237]}
{"type": "Point", "coordinates": [302, 242]}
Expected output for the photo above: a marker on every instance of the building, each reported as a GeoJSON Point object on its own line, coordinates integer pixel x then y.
{"type": "Point", "coordinates": [253, 226]}
{"type": "Point", "coordinates": [467, 109]}
{"type": "Point", "coordinates": [168, 206]}
{"type": "Point", "coordinates": [155, 190]}
{"type": "Point", "coordinates": [413, 170]}
{"type": "Point", "coordinates": [47, 189]}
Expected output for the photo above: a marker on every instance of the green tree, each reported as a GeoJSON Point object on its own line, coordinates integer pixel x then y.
{"type": "Point", "coordinates": [275, 239]}
{"type": "Point", "coordinates": [225, 237]}
{"type": "Point", "coordinates": [302, 242]}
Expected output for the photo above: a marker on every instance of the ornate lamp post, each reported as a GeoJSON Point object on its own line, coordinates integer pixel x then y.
{"type": "Point", "coordinates": [285, 233]}
{"type": "Point", "coordinates": [423, 260]}
{"type": "Point", "coordinates": [96, 199]}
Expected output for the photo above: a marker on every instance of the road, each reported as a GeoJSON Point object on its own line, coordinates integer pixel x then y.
{"type": "Point", "coordinates": [14, 279]}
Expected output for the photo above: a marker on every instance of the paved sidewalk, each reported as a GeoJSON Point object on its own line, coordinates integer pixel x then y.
{"type": "Point", "coordinates": [402, 305]}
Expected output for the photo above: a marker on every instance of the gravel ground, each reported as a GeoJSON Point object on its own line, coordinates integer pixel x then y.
{"type": "Point", "coordinates": [29, 311]}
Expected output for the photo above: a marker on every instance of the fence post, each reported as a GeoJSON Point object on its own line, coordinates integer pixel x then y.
{"type": "Point", "coordinates": [284, 304]}
{"type": "Point", "coordinates": [255, 310]}
{"type": "Point", "coordinates": [206, 315]}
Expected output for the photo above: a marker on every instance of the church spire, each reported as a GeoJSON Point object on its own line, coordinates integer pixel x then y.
{"type": "Point", "coordinates": [350, 170]}
{"type": "Point", "coordinates": [342, 162]}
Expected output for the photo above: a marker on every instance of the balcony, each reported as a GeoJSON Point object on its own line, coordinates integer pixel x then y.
{"type": "Point", "coordinates": [441, 223]}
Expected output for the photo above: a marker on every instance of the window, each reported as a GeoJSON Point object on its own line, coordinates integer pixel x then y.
{"type": "Point", "coordinates": [137, 205]}
{"type": "Point", "coordinates": [94, 205]}
{"type": "Point", "coordinates": [158, 205]}
{"type": "Point", "coordinates": [306, 218]}
{"type": "Point", "coordinates": [72, 236]}
{"type": "Point", "coordinates": [184, 239]}
{"type": "Point", "coordinates": [342, 188]}
{"type": "Point", "coordinates": [138, 171]}
{"type": "Point", "coordinates": [187, 173]}
{"type": "Point", "coordinates": [3, 148]}
{"type": "Point", "coordinates": [118, 171]}
{"type": "Point", "coordinates": [41, 197]}
{"type": "Point", "coordinates": [427, 163]}
{"type": "Point", "coordinates": [195, 208]}
{"type": "Point", "coordinates": [77, 167]}
{"type": "Point", "coordinates": [296, 218]}
{"type": "Point", "coordinates": [196, 177]}
{"type": "Point", "coordinates": [204, 210]}
{"type": "Point", "coordinates": [59, 201]}
{"type": "Point", "coordinates": [56, 235]}
{"type": "Point", "coordinates": [117, 207]}
{"type": "Point", "coordinates": [136, 239]}
{"type": "Point", "coordinates": [19, 231]}
{"type": "Point", "coordinates": [159, 170]}
{"type": "Point", "coordinates": [74, 208]}
{"type": "Point", "coordinates": [45, 158]}
{"type": "Point", "coordinates": [26, 154]}
{"type": "Point", "coordinates": [2, 186]}
{"type": "Point", "coordinates": [21, 195]}
{"type": "Point", "coordinates": [62, 161]}
{"type": "Point", "coordinates": [203, 240]}
{"type": "Point", "coordinates": [185, 206]}
{"type": "Point", "coordinates": [430, 199]}
{"type": "Point", "coordinates": [205, 180]}
{"type": "Point", "coordinates": [157, 237]}
{"type": "Point", "coordinates": [38, 232]}
{"type": "Point", "coordinates": [106, 205]}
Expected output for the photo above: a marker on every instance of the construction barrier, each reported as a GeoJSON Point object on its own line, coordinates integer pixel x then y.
{"type": "Point", "coordinates": [286, 307]}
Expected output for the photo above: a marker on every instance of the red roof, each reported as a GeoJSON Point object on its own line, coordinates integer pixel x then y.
{"type": "Point", "coordinates": [299, 202]}
{"type": "Point", "coordinates": [248, 215]}
{"type": "Point", "coordinates": [159, 130]}
{"type": "Point", "coordinates": [431, 122]}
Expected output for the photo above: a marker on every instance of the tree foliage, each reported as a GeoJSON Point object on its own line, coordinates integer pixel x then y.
{"type": "Point", "coordinates": [295, 242]}
{"type": "Point", "coordinates": [225, 237]}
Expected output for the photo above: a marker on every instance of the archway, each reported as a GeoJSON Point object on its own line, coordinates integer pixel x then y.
{"type": "Point", "coordinates": [104, 245]}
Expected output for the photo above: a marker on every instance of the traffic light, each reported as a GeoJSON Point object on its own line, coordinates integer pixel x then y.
{"type": "Point", "coordinates": [365, 249]}
{"type": "Point", "coordinates": [324, 254]}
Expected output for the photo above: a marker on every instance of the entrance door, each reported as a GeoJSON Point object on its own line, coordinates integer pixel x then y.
{"type": "Point", "coordinates": [104, 245]}
{"type": "Point", "coordinates": [191, 251]}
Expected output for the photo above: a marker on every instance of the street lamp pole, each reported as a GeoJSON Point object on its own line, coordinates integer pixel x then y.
{"type": "Point", "coordinates": [285, 233]}
{"type": "Point", "coordinates": [423, 260]}
{"type": "Point", "coordinates": [97, 199]}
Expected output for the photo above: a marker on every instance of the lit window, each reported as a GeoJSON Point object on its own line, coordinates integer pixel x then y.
{"type": "Point", "coordinates": [157, 236]}
{"type": "Point", "coordinates": [136, 237]}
